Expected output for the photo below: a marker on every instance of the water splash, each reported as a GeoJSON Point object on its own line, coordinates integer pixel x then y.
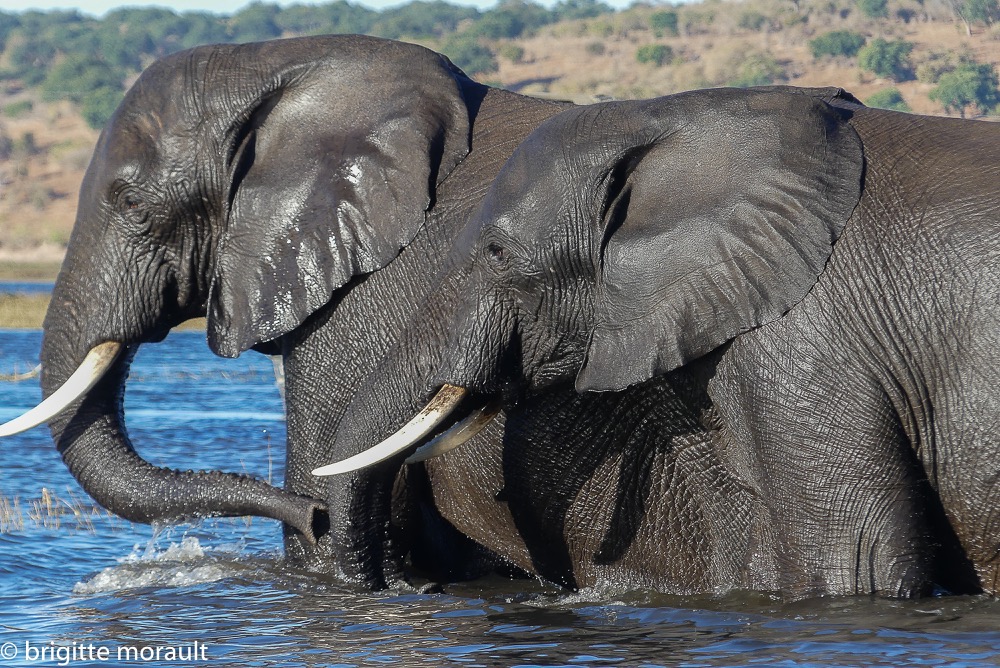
{"type": "Point", "coordinates": [178, 565]}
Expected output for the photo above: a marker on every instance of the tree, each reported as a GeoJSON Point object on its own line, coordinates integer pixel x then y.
{"type": "Point", "coordinates": [888, 98]}
{"type": "Point", "coordinates": [465, 51]}
{"type": "Point", "coordinates": [983, 11]}
{"type": "Point", "coordinates": [255, 22]}
{"type": "Point", "coordinates": [565, 10]}
{"type": "Point", "coordinates": [513, 18]}
{"type": "Point", "coordinates": [837, 43]}
{"type": "Point", "coordinates": [757, 69]}
{"type": "Point", "coordinates": [98, 105]}
{"type": "Point", "coordinates": [968, 85]}
{"type": "Point", "coordinates": [422, 19]}
{"type": "Point", "coordinates": [657, 54]}
{"type": "Point", "coordinates": [887, 59]}
{"type": "Point", "coordinates": [75, 76]}
{"type": "Point", "coordinates": [664, 22]}
{"type": "Point", "coordinates": [874, 9]}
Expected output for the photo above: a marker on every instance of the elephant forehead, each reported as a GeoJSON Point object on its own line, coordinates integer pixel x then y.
{"type": "Point", "coordinates": [531, 189]}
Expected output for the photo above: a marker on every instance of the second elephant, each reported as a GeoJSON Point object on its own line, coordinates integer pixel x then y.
{"type": "Point", "coordinates": [785, 307]}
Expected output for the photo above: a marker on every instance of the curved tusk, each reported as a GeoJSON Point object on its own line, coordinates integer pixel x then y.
{"type": "Point", "coordinates": [19, 377]}
{"type": "Point", "coordinates": [439, 408]}
{"type": "Point", "coordinates": [457, 434]}
{"type": "Point", "coordinates": [94, 366]}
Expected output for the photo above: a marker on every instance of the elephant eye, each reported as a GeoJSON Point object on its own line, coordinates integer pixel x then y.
{"type": "Point", "coordinates": [131, 203]}
{"type": "Point", "coordinates": [495, 251]}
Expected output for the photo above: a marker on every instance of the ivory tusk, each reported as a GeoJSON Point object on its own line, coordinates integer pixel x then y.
{"type": "Point", "coordinates": [457, 434]}
{"type": "Point", "coordinates": [92, 369]}
{"type": "Point", "coordinates": [439, 408]}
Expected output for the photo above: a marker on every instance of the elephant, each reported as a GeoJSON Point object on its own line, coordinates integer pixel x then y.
{"type": "Point", "coordinates": [783, 305]}
{"type": "Point", "coordinates": [300, 194]}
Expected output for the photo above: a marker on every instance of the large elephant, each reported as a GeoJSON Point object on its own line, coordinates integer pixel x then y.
{"type": "Point", "coordinates": [787, 301]}
{"type": "Point", "coordinates": [301, 194]}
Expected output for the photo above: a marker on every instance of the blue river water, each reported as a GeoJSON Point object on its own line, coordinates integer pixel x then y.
{"type": "Point", "coordinates": [79, 587]}
{"type": "Point", "coordinates": [25, 287]}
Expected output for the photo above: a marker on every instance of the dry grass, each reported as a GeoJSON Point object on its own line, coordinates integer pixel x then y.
{"type": "Point", "coordinates": [51, 511]}
{"type": "Point", "coordinates": [28, 312]}
{"type": "Point", "coordinates": [30, 270]}
{"type": "Point", "coordinates": [22, 311]}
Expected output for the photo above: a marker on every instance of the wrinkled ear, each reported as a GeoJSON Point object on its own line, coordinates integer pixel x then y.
{"type": "Point", "coordinates": [718, 224]}
{"type": "Point", "coordinates": [333, 168]}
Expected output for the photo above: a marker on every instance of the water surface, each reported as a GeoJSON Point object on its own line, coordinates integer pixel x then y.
{"type": "Point", "coordinates": [72, 581]}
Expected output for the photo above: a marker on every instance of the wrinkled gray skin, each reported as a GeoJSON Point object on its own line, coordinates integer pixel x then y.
{"type": "Point", "coordinates": [260, 185]}
{"type": "Point", "coordinates": [780, 306]}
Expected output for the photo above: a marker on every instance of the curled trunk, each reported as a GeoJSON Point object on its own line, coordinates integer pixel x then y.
{"type": "Point", "coordinates": [93, 442]}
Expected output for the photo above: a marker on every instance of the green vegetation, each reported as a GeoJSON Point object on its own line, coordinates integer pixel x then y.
{"type": "Point", "coordinates": [968, 85]}
{"type": "Point", "coordinates": [757, 69]}
{"type": "Point", "coordinates": [888, 98]}
{"type": "Point", "coordinates": [18, 109]}
{"type": "Point", "coordinates": [837, 43]}
{"type": "Point", "coordinates": [664, 22]}
{"type": "Point", "coordinates": [511, 52]}
{"type": "Point", "coordinates": [874, 9]}
{"type": "Point", "coordinates": [658, 54]}
{"type": "Point", "coordinates": [752, 20]}
{"type": "Point", "coordinates": [978, 11]}
{"type": "Point", "coordinates": [71, 56]}
{"type": "Point", "coordinates": [467, 52]}
{"type": "Point", "coordinates": [890, 60]}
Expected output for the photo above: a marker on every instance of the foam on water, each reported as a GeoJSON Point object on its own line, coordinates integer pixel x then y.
{"type": "Point", "coordinates": [178, 565]}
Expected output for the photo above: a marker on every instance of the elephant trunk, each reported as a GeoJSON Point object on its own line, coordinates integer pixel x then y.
{"type": "Point", "coordinates": [92, 440]}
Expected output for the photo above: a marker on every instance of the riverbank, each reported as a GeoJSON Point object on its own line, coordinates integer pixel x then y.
{"type": "Point", "coordinates": [22, 311]}
{"type": "Point", "coordinates": [32, 270]}
{"type": "Point", "coordinates": [28, 312]}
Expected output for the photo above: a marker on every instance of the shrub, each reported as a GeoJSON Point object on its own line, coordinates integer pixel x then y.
{"type": "Point", "coordinates": [567, 10]}
{"type": "Point", "coordinates": [936, 64]}
{"type": "Point", "coordinates": [757, 69]}
{"type": "Point", "coordinates": [18, 109]}
{"type": "Point", "coordinates": [887, 59]}
{"type": "Point", "coordinates": [983, 11]}
{"type": "Point", "coordinates": [888, 98]}
{"type": "Point", "coordinates": [596, 48]}
{"type": "Point", "coordinates": [969, 84]}
{"type": "Point", "coordinates": [466, 52]}
{"type": "Point", "coordinates": [874, 9]}
{"type": "Point", "coordinates": [837, 43]}
{"type": "Point", "coordinates": [98, 105]}
{"type": "Point", "coordinates": [664, 22]}
{"type": "Point", "coordinates": [657, 54]}
{"type": "Point", "coordinates": [751, 20]}
{"type": "Point", "coordinates": [511, 52]}
{"type": "Point", "coordinates": [76, 76]}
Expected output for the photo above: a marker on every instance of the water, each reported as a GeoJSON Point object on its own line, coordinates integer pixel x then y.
{"type": "Point", "coordinates": [70, 583]}
{"type": "Point", "coordinates": [25, 287]}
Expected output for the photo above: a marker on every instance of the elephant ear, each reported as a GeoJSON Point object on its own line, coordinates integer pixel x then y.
{"type": "Point", "coordinates": [333, 167]}
{"type": "Point", "coordinates": [717, 221]}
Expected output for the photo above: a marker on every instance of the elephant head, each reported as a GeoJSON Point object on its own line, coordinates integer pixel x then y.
{"type": "Point", "coordinates": [247, 184]}
{"type": "Point", "coordinates": [622, 241]}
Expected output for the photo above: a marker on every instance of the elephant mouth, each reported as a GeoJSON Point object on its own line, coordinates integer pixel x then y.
{"type": "Point", "coordinates": [452, 417]}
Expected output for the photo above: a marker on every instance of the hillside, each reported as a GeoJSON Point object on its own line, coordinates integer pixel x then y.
{"type": "Point", "coordinates": [899, 51]}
